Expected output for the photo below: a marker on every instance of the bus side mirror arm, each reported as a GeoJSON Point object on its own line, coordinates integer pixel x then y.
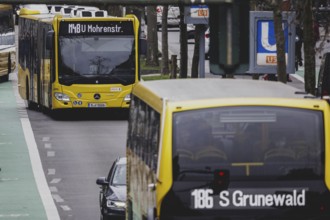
{"type": "Point", "coordinates": [152, 186]}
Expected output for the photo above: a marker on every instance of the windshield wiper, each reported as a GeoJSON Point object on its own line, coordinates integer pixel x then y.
{"type": "Point", "coordinates": [182, 173]}
{"type": "Point", "coordinates": [121, 79]}
{"type": "Point", "coordinates": [72, 79]}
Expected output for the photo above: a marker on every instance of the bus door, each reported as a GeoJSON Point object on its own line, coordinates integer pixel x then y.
{"type": "Point", "coordinates": [49, 69]}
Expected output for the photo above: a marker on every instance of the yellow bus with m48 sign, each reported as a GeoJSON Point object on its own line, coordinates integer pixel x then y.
{"type": "Point", "coordinates": [68, 62]}
{"type": "Point", "coordinates": [227, 149]}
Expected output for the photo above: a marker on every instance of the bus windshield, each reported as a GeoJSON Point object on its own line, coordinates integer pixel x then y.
{"type": "Point", "coordinates": [96, 59]}
{"type": "Point", "coordinates": [248, 143]}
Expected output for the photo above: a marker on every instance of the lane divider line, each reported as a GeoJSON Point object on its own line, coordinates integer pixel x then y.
{"type": "Point", "coordinates": [56, 180]}
{"type": "Point", "coordinates": [65, 208]}
{"type": "Point", "coordinates": [48, 145]}
{"type": "Point", "coordinates": [39, 175]}
{"type": "Point", "coordinates": [51, 172]}
{"type": "Point", "coordinates": [50, 153]}
{"type": "Point", "coordinates": [57, 198]}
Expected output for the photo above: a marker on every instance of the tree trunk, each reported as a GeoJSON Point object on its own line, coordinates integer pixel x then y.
{"type": "Point", "coordinates": [152, 37]}
{"type": "Point", "coordinates": [309, 45]}
{"type": "Point", "coordinates": [280, 43]}
{"type": "Point", "coordinates": [183, 45]}
{"type": "Point", "coordinates": [115, 10]}
{"type": "Point", "coordinates": [200, 28]}
{"type": "Point", "coordinates": [165, 63]}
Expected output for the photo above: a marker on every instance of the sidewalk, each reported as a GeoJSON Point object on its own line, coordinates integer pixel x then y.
{"type": "Point", "coordinates": [21, 193]}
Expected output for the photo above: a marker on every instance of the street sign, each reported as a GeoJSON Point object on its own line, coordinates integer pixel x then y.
{"type": "Point", "coordinates": [199, 11]}
{"type": "Point", "coordinates": [196, 14]}
{"type": "Point", "coordinates": [266, 42]}
{"type": "Point", "coordinates": [263, 57]}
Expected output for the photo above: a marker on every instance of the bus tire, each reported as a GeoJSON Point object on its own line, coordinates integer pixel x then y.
{"type": "Point", "coordinates": [5, 78]}
{"type": "Point", "coordinates": [9, 64]}
{"type": "Point", "coordinates": [29, 103]}
{"type": "Point", "coordinates": [44, 109]}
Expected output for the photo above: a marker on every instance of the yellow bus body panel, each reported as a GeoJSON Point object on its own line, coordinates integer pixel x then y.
{"type": "Point", "coordinates": [83, 94]}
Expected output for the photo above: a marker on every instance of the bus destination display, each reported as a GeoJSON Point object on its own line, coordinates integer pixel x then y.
{"type": "Point", "coordinates": [97, 28]}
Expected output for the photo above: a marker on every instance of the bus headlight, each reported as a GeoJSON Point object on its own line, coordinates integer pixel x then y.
{"type": "Point", "coordinates": [62, 97]}
{"type": "Point", "coordinates": [127, 98]}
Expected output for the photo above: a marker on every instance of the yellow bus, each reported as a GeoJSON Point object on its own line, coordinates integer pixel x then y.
{"type": "Point", "coordinates": [227, 149]}
{"type": "Point", "coordinates": [77, 60]}
{"type": "Point", "coordinates": [7, 41]}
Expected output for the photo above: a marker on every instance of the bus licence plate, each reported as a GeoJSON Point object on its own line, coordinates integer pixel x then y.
{"type": "Point", "coordinates": [97, 105]}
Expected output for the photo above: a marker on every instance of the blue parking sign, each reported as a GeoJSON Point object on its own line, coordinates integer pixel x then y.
{"type": "Point", "coordinates": [263, 56]}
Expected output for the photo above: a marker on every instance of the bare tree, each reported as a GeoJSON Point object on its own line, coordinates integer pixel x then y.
{"type": "Point", "coordinates": [280, 41]}
{"type": "Point", "coordinates": [309, 47]}
{"type": "Point", "coordinates": [165, 63]}
{"type": "Point", "coordinates": [200, 28]}
{"type": "Point", "coordinates": [183, 45]}
{"type": "Point", "coordinates": [115, 10]}
{"type": "Point", "coordinates": [152, 37]}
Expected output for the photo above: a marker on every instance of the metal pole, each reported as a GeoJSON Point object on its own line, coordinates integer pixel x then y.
{"type": "Point", "coordinates": [201, 65]}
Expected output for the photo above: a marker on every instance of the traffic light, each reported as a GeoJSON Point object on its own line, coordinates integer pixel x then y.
{"type": "Point", "coordinates": [229, 37]}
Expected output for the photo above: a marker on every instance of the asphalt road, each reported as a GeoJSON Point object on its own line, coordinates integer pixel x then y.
{"type": "Point", "coordinates": [75, 151]}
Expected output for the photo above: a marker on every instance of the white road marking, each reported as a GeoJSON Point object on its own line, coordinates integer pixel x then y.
{"type": "Point", "coordinates": [48, 145]}
{"type": "Point", "coordinates": [39, 175]}
{"type": "Point", "coordinates": [50, 153]}
{"type": "Point", "coordinates": [5, 143]}
{"type": "Point", "coordinates": [51, 171]}
{"type": "Point", "coordinates": [53, 189]}
{"type": "Point", "coordinates": [56, 180]}
{"type": "Point", "coordinates": [65, 208]}
{"type": "Point", "coordinates": [44, 139]}
{"type": "Point", "coordinates": [14, 215]}
{"type": "Point", "coordinates": [8, 179]}
{"type": "Point", "coordinates": [57, 198]}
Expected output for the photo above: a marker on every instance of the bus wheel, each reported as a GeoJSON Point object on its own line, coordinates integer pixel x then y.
{"type": "Point", "coordinates": [44, 109]}
{"type": "Point", "coordinates": [5, 78]}
{"type": "Point", "coordinates": [29, 103]}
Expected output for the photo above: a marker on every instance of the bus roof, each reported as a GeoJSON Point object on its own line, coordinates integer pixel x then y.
{"type": "Point", "coordinates": [185, 92]}
{"type": "Point", "coordinates": [194, 89]}
{"type": "Point", "coordinates": [33, 9]}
